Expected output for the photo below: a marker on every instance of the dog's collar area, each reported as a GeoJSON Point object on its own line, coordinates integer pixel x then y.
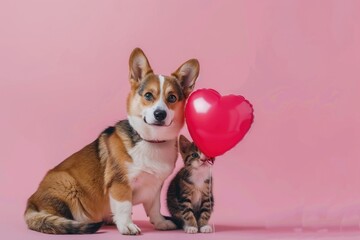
{"type": "Point", "coordinates": [154, 141]}
{"type": "Point", "coordinates": [135, 133]}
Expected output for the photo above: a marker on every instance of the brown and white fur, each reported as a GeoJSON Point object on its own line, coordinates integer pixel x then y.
{"type": "Point", "coordinates": [126, 165]}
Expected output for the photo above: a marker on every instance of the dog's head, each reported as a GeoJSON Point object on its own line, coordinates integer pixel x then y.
{"type": "Point", "coordinates": [156, 103]}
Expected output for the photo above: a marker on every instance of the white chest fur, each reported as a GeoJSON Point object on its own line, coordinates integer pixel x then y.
{"type": "Point", "coordinates": [152, 164]}
{"type": "Point", "coordinates": [198, 177]}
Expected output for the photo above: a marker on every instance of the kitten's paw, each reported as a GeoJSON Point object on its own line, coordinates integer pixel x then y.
{"type": "Point", "coordinates": [190, 229]}
{"type": "Point", "coordinates": [128, 229]}
{"type": "Point", "coordinates": [165, 225]}
{"type": "Point", "coordinates": [206, 229]}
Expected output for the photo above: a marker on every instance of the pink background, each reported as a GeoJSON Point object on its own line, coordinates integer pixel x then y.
{"type": "Point", "coordinates": [63, 79]}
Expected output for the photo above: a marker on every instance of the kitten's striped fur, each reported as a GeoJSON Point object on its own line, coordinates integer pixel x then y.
{"type": "Point", "coordinates": [189, 198]}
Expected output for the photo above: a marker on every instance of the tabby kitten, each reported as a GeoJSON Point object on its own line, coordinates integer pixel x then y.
{"type": "Point", "coordinates": [189, 198]}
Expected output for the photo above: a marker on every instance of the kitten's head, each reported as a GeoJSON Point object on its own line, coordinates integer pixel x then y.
{"type": "Point", "coordinates": [191, 154]}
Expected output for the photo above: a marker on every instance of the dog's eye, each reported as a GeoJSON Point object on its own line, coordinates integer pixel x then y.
{"type": "Point", "coordinates": [195, 155]}
{"type": "Point", "coordinates": [148, 96]}
{"type": "Point", "coordinates": [171, 98]}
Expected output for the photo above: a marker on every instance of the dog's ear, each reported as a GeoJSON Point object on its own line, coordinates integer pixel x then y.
{"type": "Point", "coordinates": [139, 66]}
{"type": "Point", "coordinates": [184, 144]}
{"type": "Point", "coordinates": [187, 74]}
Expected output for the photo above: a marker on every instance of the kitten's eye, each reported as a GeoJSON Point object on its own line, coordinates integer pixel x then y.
{"type": "Point", "coordinates": [195, 155]}
{"type": "Point", "coordinates": [148, 96]}
{"type": "Point", "coordinates": [171, 98]}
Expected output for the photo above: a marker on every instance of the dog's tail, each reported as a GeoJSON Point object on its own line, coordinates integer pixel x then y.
{"type": "Point", "coordinates": [48, 223]}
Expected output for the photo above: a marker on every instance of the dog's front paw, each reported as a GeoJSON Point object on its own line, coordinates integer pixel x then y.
{"type": "Point", "coordinates": [128, 229]}
{"type": "Point", "coordinates": [165, 225]}
{"type": "Point", "coordinates": [190, 229]}
{"type": "Point", "coordinates": [206, 229]}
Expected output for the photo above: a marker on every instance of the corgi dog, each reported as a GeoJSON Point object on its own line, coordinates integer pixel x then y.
{"type": "Point", "coordinates": [126, 165]}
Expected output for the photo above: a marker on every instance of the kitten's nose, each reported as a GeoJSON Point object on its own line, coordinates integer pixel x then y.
{"type": "Point", "coordinates": [160, 115]}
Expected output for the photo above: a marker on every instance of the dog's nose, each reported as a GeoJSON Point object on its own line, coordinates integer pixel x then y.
{"type": "Point", "coordinates": [160, 115]}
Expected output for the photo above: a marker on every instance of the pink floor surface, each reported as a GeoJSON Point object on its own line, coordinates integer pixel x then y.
{"type": "Point", "coordinates": [19, 231]}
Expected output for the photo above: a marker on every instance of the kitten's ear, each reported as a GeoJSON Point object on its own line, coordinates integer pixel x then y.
{"type": "Point", "coordinates": [138, 65]}
{"type": "Point", "coordinates": [187, 74]}
{"type": "Point", "coordinates": [184, 144]}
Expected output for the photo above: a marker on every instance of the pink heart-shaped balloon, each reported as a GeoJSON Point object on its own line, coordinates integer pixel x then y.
{"type": "Point", "coordinates": [217, 123]}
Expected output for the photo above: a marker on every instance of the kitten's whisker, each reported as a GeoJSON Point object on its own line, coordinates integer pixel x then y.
{"type": "Point", "coordinates": [208, 160]}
